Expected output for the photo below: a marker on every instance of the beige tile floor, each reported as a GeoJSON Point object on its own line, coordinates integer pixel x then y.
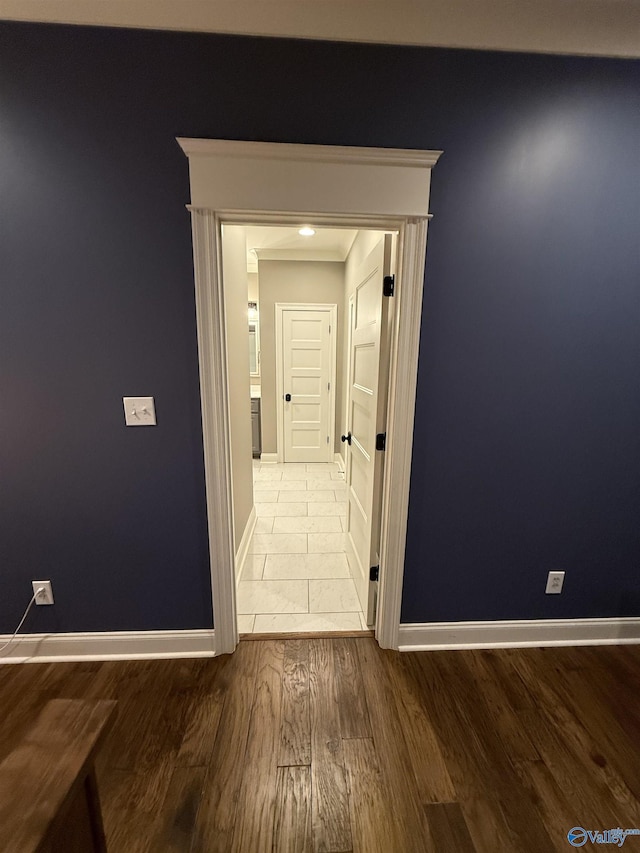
{"type": "Point", "coordinates": [296, 576]}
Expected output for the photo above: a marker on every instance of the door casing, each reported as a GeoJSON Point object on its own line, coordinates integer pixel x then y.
{"type": "Point", "coordinates": [273, 183]}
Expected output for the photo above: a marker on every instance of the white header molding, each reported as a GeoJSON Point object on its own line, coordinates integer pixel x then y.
{"type": "Point", "coordinates": [260, 176]}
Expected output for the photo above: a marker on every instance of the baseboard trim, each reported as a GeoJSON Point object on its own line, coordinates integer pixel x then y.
{"type": "Point", "coordinates": [109, 645]}
{"type": "Point", "coordinates": [243, 547]}
{"type": "Point", "coordinates": [269, 458]}
{"type": "Point", "coordinates": [337, 458]}
{"type": "Point", "coordinates": [429, 636]}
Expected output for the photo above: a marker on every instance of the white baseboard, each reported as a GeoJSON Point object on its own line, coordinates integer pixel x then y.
{"type": "Point", "coordinates": [337, 458]}
{"type": "Point", "coordinates": [110, 645]}
{"type": "Point", "coordinates": [269, 458]}
{"type": "Point", "coordinates": [429, 636]}
{"type": "Point", "coordinates": [243, 547]}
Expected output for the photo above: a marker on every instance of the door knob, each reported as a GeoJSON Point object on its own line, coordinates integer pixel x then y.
{"type": "Point", "coordinates": [347, 438]}
{"type": "Point", "coordinates": [287, 397]}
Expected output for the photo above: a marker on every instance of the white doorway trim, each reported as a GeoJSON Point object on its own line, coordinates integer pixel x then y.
{"type": "Point", "coordinates": [332, 309]}
{"type": "Point", "coordinates": [349, 314]}
{"type": "Point", "coordinates": [384, 189]}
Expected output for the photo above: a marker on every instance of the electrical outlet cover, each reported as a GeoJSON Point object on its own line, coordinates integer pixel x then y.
{"type": "Point", "coordinates": [554, 583]}
{"type": "Point", "coordinates": [46, 596]}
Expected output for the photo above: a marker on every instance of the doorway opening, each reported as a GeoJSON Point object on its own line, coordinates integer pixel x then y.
{"type": "Point", "coordinates": [312, 529]}
{"type": "Point", "coordinates": [341, 187]}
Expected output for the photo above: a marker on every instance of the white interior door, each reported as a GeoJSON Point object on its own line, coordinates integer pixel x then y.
{"type": "Point", "coordinates": [307, 385]}
{"type": "Point", "coordinates": [362, 416]}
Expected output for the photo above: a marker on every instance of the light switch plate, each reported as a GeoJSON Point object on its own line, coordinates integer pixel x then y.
{"type": "Point", "coordinates": [139, 411]}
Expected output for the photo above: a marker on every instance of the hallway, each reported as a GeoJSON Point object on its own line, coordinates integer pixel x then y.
{"type": "Point", "coordinates": [296, 577]}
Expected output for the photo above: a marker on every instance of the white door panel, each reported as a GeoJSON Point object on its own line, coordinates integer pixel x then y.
{"type": "Point", "coordinates": [308, 360]}
{"type": "Point", "coordinates": [362, 416]}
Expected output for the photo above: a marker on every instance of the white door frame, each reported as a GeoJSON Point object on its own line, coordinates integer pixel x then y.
{"type": "Point", "coordinates": [350, 308]}
{"type": "Point", "coordinates": [384, 189]}
{"type": "Point", "coordinates": [333, 314]}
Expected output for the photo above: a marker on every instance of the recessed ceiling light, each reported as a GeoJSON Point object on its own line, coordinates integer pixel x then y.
{"type": "Point", "coordinates": [306, 231]}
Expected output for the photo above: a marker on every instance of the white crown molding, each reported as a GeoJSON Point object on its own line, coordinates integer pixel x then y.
{"type": "Point", "coordinates": [293, 152]}
{"type": "Point", "coordinates": [432, 636]}
{"type": "Point", "coordinates": [331, 181]}
{"type": "Point", "coordinates": [110, 645]}
{"type": "Point", "coordinates": [587, 27]}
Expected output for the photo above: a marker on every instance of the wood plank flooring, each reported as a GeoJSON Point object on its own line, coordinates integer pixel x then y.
{"type": "Point", "coordinates": [332, 745]}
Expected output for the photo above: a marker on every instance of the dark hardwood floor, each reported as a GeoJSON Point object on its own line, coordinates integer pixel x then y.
{"type": "Point", "coordinates": [335, 745]}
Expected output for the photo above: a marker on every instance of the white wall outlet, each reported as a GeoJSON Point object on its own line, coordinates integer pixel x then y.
{"type": "Point", "coordinates": [139, 411]}
{"type": "Point", "coordinates": [554, 583]}
{"type": "Point", "coordinates": [43, 592]}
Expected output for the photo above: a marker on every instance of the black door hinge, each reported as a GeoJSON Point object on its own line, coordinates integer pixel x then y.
{"type": "Point", "coordinates": [381, 441]}
{"type": "Point", "coordinates": [374, 573]}
{"type": "Point", "coordinates": [388, 285]}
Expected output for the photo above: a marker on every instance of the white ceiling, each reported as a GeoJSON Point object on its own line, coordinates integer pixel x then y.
{"type": "Point", "coordinates": [598, 27]}
{"type": "Point", "coordinates": [281, 243]}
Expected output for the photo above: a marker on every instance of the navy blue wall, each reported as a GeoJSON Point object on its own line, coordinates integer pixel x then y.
{"type": "Point", "coordinates": [527, 450]}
